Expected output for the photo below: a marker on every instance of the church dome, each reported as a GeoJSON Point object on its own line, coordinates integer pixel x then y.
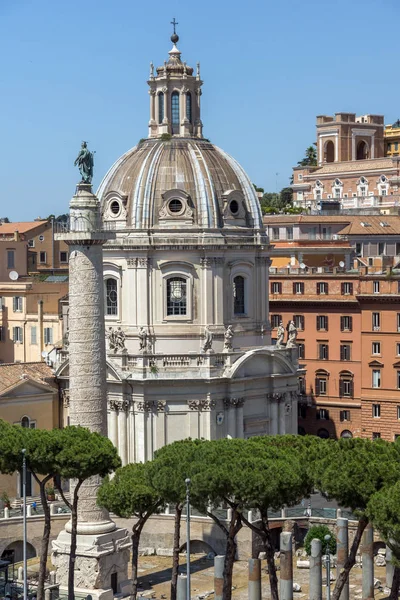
{"type": "Point", "coordinates": [182, 181]}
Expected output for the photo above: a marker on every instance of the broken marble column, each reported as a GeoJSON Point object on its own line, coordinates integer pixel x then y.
{"type": "Point", "coordinates": [254, 579]}
{"type": "Point", "coordinates": [316, 570]}
{"type": "Point", "coordinates": [286, 560]}
{"type": "Point", "coordinates": [342, 543]}
{"type": "Point", "coordinates": [181, 588]}
{"type": "Point", "coordinates": [389, 568]}
{"type": "Point", "coordinates": [367, 552]}
{"type": "Point", "coordinates": [219, 562]}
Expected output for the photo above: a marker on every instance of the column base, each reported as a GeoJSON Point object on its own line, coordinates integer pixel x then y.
{"type": "Point", "coordinates": [101, 565]}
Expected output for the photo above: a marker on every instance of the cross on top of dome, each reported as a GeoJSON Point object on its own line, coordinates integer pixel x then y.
{"type": "Point", "coordinates": [174, 36]}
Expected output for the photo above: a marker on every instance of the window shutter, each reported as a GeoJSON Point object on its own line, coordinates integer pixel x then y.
{"type": "Point", "coordinates": [342, 415]}
{"type": "Point", "coordinates": [341, 323]}
{"type": "Point", "coordinates": [33, 335]}
{"type": "Point", "coordinates": [351, 323]}
{"type": "Point", "coordinates": [326, 288]}
{"type": "Point", "coordinates": [15, 304]}
{"type": "Point", "coordinates": [340, 389]}
{"type": "Point", "coordinates": [351, 288]}
{"type": "Point", "coordinates": [14, 334]}
{"type": "Point", "coordinates": [326, 321]}
{"type": "Point", "coordinates": [318, 288]}
{"type": "Point", "coordinates": [318, 323]}
{"type": "Point", "coordinates": [341, 352]}
{"type": "Point", "coordinates": [327, 351]}
{"type": "Point", "coordinates": [317, 389]}
{"type": "Point", "coordinates": [327, 414]}
{"type": "Point", "coordinates": [302, 322]}
{"type": "Point", "coordinates": [279, 288]}
{"type": "Point", "coordinates": [342, 288]}
{"type": "Point", "coordinates": [21, 335]}
{"type": "Point", "coordinates": [318, 415]}
{"type": "Point", "coordinates": [302, 287]}
{"type": "Point", "coordinates": [351, 388]}
{"type": "Point", "coordinates": [294, 288]}
{"type": "Point", "coordinates": [50, 335]}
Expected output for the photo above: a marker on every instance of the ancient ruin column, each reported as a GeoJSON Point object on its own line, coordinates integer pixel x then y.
{"type": "Point", "coordinates": [389, 568]}
{"type": "Point", "coordinates": [122, 434]}
{"type": "Point", "coordinates": [367, 550]}
{"type": "Point", "coordinates": [286, 587]}
{"type": "Point", "coordinates": [181, 588]}
{"type": "Point", "coordinates": [342, 552]}
{"type": "Point", "coordinates": [218, 576]}
{"type": "Point", "coordinates": [316, 570]}
{"type": "Point", "coordinates": [100, 543]}
{"type": "Point", "coordinates": [254, 579]}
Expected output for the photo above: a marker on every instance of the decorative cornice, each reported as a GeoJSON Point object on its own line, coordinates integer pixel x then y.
{"type": "Point", "coordinates": [275, 397]}
{"type": "Point", "coordinates": [234, 402]}
{"type": "Point", "coordinates": [203, 404]}
{"type": "Point", "coordinates": [151, 405]}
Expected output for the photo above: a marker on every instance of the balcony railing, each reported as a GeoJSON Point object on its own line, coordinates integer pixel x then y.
{"type": "Point", "coordinates": [83, 224]}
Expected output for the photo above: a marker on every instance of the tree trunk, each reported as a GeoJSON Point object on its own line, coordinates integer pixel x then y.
{"type": "Point", "coordinates": [44, 546]}
{"type": "Point", "coordinates": [234, 527]}
{"type": "Point", "coordinates": [351, 560]}
{"type": "Point", "coordinates": [135, 557]}
{"type": "Point", "coordinates": [72, 552]}
{"type": "Point", "coordinates": [394, 592]}
{"type": "Point", "coordinates": [175, 552]}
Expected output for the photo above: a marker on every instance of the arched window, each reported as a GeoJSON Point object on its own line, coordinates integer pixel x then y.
{"type": "Point", "coordinates": [329, 152]}
{"type": "Point", "coordinates": [175, 110]}
{"type": "Point", "coordinates": [160, 107]}
{"type": "Point", "coordinates": [189, 106]}
{"type": "Point", "coordinates": [25, 422]}
{"type": "Point", "coordinates": [362, 151]}
{"type": "Point", "coordinates": [323, 433]}
{"type": "Point", "coordinates": [346, 434]}
{"type": "Point", "coordinates": [238, 295]}
{"type": "Point", "coordinates": [111, 297]}
{"type": "Point", "coordinates": [301, 431]}
{"type": "Point", "coordinates": [176, 296]}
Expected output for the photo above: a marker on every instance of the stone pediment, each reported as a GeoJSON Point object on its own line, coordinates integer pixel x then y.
{"type": "Point", "coordinates": [375, 363]}
{"type": "Point", "coordinates": [27, 387]}
{"type": "Point", "coordinates": [112, 371]}
{"type": "Point", "coordinates": [262, 362]}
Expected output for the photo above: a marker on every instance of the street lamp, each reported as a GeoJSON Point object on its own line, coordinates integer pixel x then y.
{"type": "Point", "coordinates": [328, 568]}
{"type": "Point", "coordinates": [187, 482]}
{"type": "Point", "coordinates": [24, 523]}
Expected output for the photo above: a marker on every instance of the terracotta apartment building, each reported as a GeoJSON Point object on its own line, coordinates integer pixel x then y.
{"type": "Point", "coordinates": [345, 301]}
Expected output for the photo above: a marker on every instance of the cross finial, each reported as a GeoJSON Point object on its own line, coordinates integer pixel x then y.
{"type": "Point", "coordinates": [174, 23]}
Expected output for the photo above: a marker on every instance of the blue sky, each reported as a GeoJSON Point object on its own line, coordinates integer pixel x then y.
{"type": "Point", "coordinates": [73, 70]}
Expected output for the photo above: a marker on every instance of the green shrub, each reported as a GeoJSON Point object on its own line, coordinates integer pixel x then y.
{"type": "Point", "coordinates": [165, 137]}
{"type": "Point", "coordinates": [319, 532]}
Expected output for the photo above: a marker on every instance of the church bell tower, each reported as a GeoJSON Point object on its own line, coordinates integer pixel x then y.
{"type": "Point", "coordinates": [175, 96]}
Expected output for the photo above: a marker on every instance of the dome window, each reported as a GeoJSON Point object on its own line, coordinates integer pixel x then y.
{"type": "Point", "coordinates": [175, 206]}
{"type": "Point", "coordinates": [115, 208]}
{"type": "Point", "coordinates": [189, 106]}
{"type": "Point", "coordinates": [234, 207]}
{"type": "Point", "coordinates": [160, 107]}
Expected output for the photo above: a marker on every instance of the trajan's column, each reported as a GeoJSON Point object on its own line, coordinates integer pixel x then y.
{"type": "Point", "coordinates": [102, 549]}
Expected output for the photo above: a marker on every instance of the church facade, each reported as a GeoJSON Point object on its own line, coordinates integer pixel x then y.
{"type": "Point", "coordinates": [186, 288]}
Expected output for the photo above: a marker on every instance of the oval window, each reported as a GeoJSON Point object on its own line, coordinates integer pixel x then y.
{"type": "Point", "coordinates": [234, 207]}
{"type": "Point", "coordinates": [175, 206]}
{"type": "Point", "coordinates": [115, 207]}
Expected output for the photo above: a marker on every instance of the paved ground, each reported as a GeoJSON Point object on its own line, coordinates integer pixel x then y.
{"type": "Point", "coordinates": [155, 573]}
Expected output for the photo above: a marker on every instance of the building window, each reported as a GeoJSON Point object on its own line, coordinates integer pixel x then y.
{"type": "Point", "coordinates": [376, 378]}
{"type": "Point", "coordinates": [323, 414]}
{"type": "Point", "coordinates": [376, 435]}
{"type": "Point", "coordinates": [376, 347]}
{"type": "Point", "coordinates": [376, 287]}
{"type": "Point", "coordinates": [111, 297]}
{"type": "Point", "coordinates": [358, 249]}
{"type": "Point", "coordinates": [376, 411]}
{"type": "Point", "coordinates": [275, 321]}
{"type": "Point", "coordinates": [345, 416]}
{"type": "Point", "coordinates": [27, 423]}
{"type": "Point", "coordinates": [42, 257]}
{"type": "Point", "coordinates": [18, 335]}
{"type": "Point", "coordinates": [2, 334]}
{"type": "Point", "coordinates": [323, 351]}
{"type": "Point", "coordinates": [176, 296]}
{"type": "Point", "coordinates": [345, 351]}
{"type": "Point", "coordinates": [302, 350]}
{"type": "Point", "coordinates": [381, 248]}
{"type": "Point", "coordinates": [17, 304]}
{"type": "Point", "coordinates": [322, 287]}
{"type": "Point", "coordinates": [238, 295]}
{"type": "Point", "coordinates": [398, 349]}
{"type": "Point", "coordinates": [175, 109]}
{"type": "Point", "coordinates": [298, 287]}
{"type": "Point", "coordinates": [398, 411]}
{"type": "Point", "coordinates": [321, 386]}
{"type": "Point", "coordinates": [48, 335]}
{"type": "Point", "coordinates": [345, 386]}
{"type": "Point", "coordinates": [189, 106]}
{"type": "Point", "coordinates": [322, 323]}
{"type": "Point", "coordinates": [276, 287]}
{"type": "Point", "coordinates": [346, 323]}
{"type": "Point", "coordinates": [346, 434]}
{"type": "Point", "coordinates": [160, 107]}
{"type": "Point", "coordinates": [347, 288]}
{"type": "Point", "coordinates": [289, 233]}
{"type": "Point", "coordinates": [398, 380]}
{"type": "Point", "coordinates": [398, 321]}
{"type": "Point", "coordinates": [275, 233]}
{"type": "Point", "coordinates": [63, 257]}
{"type": "Point", "coordinates": [376, 321]}
{"type": "Point", "coordinates": [10, 259]}
{"type": "Point", "coordinates": [301, 411]}
{"type": "Point", "coordinates": [33, 335]}
{"type": "Point", "coordinates": [302, 386]}
{"type": "Point", "coordinates": [298, 321]}
{"type": "Point", "coordinates": [31, 243]}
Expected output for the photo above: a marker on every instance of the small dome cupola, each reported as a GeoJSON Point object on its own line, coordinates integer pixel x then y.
{"type": "Point", "coordinates": [175, 96]}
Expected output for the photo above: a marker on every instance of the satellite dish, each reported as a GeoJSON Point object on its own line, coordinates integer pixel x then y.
{"type": "Point", "coordinates": [341, 264]}
{"type": "Point", "coordinates": [13, 275]}
{"type": "Point", "coordinates": [302, 266]}
{"type": "Point", "coordinates": [44, 354]}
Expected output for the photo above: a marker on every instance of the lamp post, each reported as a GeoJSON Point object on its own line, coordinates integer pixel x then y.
{"type": "Point", "coordinates": [328, 568]}
{"type": "Point", "coordinates": [24, 522]}
{"type": "Point", "coordinates": [187, 482]}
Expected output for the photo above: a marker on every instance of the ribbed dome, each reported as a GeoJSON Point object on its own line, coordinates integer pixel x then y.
{"type": "Point", "coordinates": [205, 173]}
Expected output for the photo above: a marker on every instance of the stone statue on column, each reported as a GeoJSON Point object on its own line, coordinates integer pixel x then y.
{"type": "Point", "coordinates": [208, 339]}
{"type": "Point", "coordinates": [143, 342]}
{"type": "Point", "coordinates": [228, 336]}
{"type": "Point", "coordinates": [292, 335]}
{"type": "Point", "coordinates": [280, 336]}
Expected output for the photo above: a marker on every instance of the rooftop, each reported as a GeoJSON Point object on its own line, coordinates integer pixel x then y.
{"type": "Point", "coordinates": [12, 373]}
{"type": "Point", "coordinates": [351, 225]}
{"type": "Point", "coordinates": [20, 226]}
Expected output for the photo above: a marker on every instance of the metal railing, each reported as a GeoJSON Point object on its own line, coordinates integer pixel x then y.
{"type": "Point", "coordinates": [83, 224]}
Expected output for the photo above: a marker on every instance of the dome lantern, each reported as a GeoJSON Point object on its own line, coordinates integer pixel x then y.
{"type": "Point", "coordinates": [175, 97]}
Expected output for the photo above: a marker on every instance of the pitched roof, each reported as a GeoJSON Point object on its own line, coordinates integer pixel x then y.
{"type": "Point", "coordinates": [20, 226]}
{"type": "Point", "coordinates": [13, 373]}
{"type": "Point", "coordinates": [352, 224]}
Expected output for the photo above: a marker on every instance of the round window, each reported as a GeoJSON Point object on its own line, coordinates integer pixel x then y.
{"type": "Point", "coordinates": [234, 207]}
{"type": "Point", "coordinates": [175, 206]}
{"type": "Point", "coordinates": [114, 207]}
{"type": "Point", "coordinates": [41, 238]}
